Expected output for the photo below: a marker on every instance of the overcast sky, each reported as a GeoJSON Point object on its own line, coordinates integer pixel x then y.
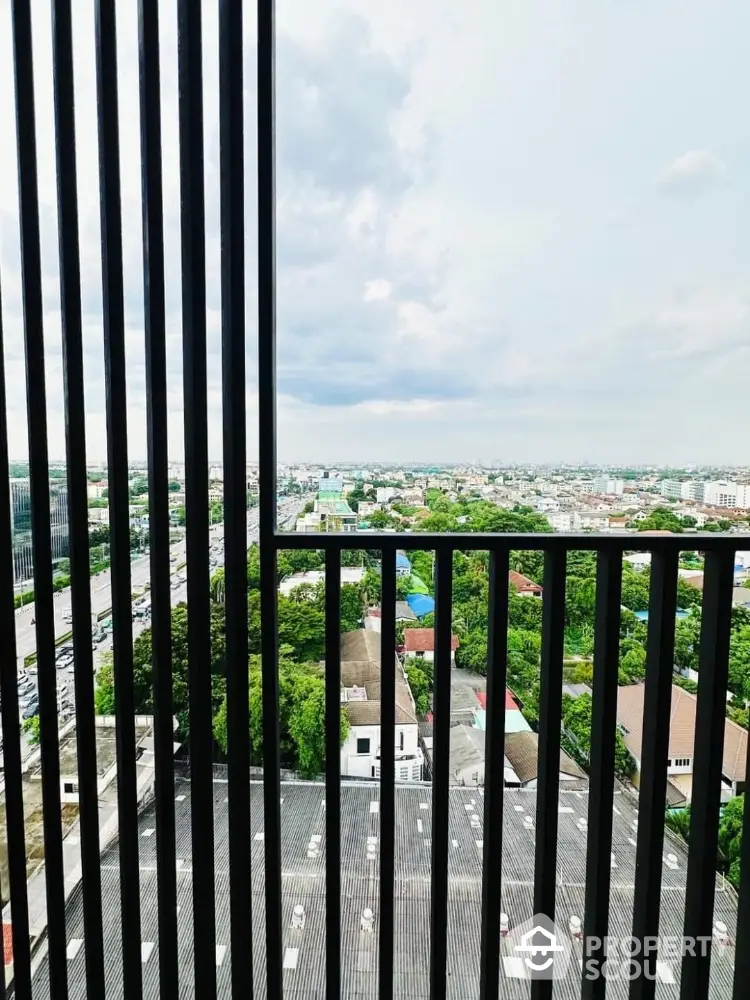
{"type": "Point", "coordinates": [506, 230]}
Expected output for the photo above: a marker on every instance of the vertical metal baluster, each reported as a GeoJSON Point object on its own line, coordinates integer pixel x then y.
{"type": "Point", "coordinates": [158, 489]}
{"type": "Point", "coordinates": [75, 446]}
{"type": "Point", "coordinates": [441, 772]}
{"type": "Point", "coordinates": [9, 714]}
{"type": "Point", "coordinates": [550, 711]}
{"type": "Point", "coordinates": [742, 954]}
{"type": "Point", "coordinates": [602, 765]}
{"type": "Point", "coordinates": [192, 210]}
{"type": "Point", "coordinates": [267, 485]}
{"type": "Point", "coordinates": [653, 785]}
{"type": "Point", "coordinates": [713, 672]}
{"type": "Point", "coordinates": [387, 768]}
{"type": "Point", "coordinates": [333, 773]}
{"type": "Point", "coordinates": [36, 396]}
{"type": "Point", "coordinates": [119, 496]}
{"type": "Point", "coordinates": [235, 487]}
{"type": "Point", "coordinates": [494, 753]}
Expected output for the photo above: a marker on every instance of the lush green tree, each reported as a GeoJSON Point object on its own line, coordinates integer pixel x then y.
{"type": "Point", "coordinates": [174, 487]}
{"type": "Point", "coordinates": [301, 626]}
{"type": "Point", "coordinates": [422, 565]}
{"type": "Point", "coordinates": [371, 587]}
{"type": "Point", "coordinates": [99, 536]}
{"type": "Point", "coordinates": [104, 693]}
{"type": "Point", "coordinates": [576, 738]}
{"type": "Point", "coordinates": [352, 557]}
{"type": "Point", "coordinates": [290, 561]}
{"type": "Point", "coordinates": [439, 522]}
{"type": "Point", "coordinates": [301, 716]}
{"type": "Point", "coordinates": [472, 652]}
{"type": "Point", "coordinates": [98, 503]}
{"type": "Point", "coordinates": [687, 595]}
{"type": "Point", "coordinates": [351, 607]}
{"type": "Point", "coordinates": [31, 728]}
{"type": "Point", "coordinates": [730, 837]}
{"type": "Point", "coordinates": [635, 588]}
{"type": "Point", "coordinates": [379, 519]}
{"type": "Point", "coordinates": [661, 519]}
{"type": "Point", "coordinates": [632, 665]}
{"type": "Point", "coordinates": [420, 688]}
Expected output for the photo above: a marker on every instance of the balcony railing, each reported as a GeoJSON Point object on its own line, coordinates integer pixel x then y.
{"type": "Point", "coordinates": [235, 890]}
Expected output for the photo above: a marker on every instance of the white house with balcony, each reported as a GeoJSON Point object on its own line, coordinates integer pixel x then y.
{"type": "Point", "coordinates": [360, 696]}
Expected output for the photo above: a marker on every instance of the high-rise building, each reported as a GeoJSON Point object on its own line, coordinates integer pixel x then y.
{"type": "Point", "coordinates": [20, 500]}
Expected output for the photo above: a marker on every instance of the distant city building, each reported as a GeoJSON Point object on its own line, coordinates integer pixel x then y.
{"type": "Point", "coordinates": [329, 515]}
{"type": "Point", "coordinates": [330, 484]}
{"type": "Point", "coordinates": [723, 493]}
{"type": "Point", "coordinates": [23, 552]}
{"type": "Point", "coordinates": [604, 484]}
{"type": "Point", "coordinates": [676, 489]}
{"type": "Point", "coordinates": [384, 493]}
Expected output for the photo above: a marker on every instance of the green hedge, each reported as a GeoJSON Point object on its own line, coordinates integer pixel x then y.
{"type": "Point", "coordinates": [31, 658]}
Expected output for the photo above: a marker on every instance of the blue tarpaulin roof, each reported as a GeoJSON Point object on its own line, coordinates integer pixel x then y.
{"type": "Point", "coordinates": [402, 562]}
{"type": "Point", "coordinates": [421, 604]}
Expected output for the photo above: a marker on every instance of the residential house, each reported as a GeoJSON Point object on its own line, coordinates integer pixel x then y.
{"type": "Point", "coordinates": [360, 695]}
{"type": "Point", "coordinates": [515, 721]}
{"type": "Point", "coordinates": [420, 642]}
{"type": "Point", "coordinates": [374, 616]}
{"type": "Point", "coordinates": [94, 490]}
{"type": "Point", "coordinates": [682, 741]}
{"type": "Point", "coordinates": [523, 586]}
{"type": "Point", "coordinates": [522, 759]}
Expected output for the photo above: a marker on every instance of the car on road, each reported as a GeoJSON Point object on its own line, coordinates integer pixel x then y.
{"type": "Point", "coordinates": [31, 710]}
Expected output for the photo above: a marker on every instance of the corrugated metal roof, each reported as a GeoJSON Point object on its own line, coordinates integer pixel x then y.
{"type": "Point", "coordinates": [303, 881]}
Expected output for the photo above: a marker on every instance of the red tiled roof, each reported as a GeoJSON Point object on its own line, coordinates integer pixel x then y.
{"type": "Point", "coordinates": [422, 640]}
{"type": "Point", "coordinates": [521, 582]}
{"type": "Point", "coordinates": [482, 698]}
{"type": "Point", "coordinates": [8, 943]}
{"type": "Point", "coordinates": [510, 701]}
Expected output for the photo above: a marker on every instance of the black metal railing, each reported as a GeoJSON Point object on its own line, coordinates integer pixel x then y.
{"type": "Point", "coordinates": [714, 645]}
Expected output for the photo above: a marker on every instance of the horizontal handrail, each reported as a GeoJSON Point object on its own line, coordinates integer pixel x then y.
{"type": "Point", "coordinates": [705, 542]}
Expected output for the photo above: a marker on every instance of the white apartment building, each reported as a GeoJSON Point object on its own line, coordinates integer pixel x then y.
{"type": "Point", "coordinates": [384, 493]}
{"type": "Point", "coordinates": [605, 484]}
{"type": "Point", "coordinates": [560, 521]}
{"type": "Point", "coordinates": [723, 493]}
{"type": "Point", "coordinates": [677, 489]}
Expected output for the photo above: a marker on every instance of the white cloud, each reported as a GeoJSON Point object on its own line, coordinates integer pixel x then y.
{"type": "Point", "coordinates": [445, 256]}
{"type": "Point", "coordinates": [377, 288]}
{"type": "Point", "coordinates": [692, 171]}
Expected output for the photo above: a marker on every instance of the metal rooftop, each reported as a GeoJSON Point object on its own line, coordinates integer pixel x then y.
{"type": "Point", "coordinates": [303, 884]}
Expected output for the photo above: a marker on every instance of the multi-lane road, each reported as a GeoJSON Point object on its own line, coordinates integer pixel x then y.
{"type": "Point", "coordinates": [140, 574]}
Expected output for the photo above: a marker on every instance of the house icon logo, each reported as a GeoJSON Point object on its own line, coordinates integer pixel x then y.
{"type": "Point", "coordinates": [542, 947]}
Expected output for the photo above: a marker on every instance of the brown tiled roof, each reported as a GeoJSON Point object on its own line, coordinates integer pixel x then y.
{"type": "Point", "coordinates": [521, 582]}
{"type": "Point", "coordinates": [360, 667]}
{"type": "Point", "coordinates": [422, 640]}
{"type": "Point", "coordinates": [522, 753]}
{"type": "Point", "coordinates": [681, 728]}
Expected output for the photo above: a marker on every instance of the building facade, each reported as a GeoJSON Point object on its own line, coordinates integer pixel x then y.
{"type": "Point", "coordinates": [20, 503]}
